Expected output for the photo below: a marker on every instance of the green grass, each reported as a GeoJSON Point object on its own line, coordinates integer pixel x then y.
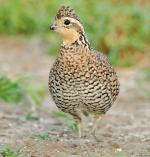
{"type": "Point", "coordinates": [7, 152]}
{"type": "Point", "coordinates": [35, 93]}
{"type": "Point", "coordinates": [120, 154]}
{"type": "Point", "coordinates": [43, 136]}
{"type": "Point", "coordinates": [20, 91]}
{"type": "Point", "coordinates": [31, 117]}
{"type": "Point", "coordinates": [120, 28]}
{"type": "Point", "coordinates": [65, 119]}
{"type": "Point", "coordinates": [10, 91]}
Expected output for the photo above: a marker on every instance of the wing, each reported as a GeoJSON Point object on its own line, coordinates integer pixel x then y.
{"type": "Point", "coordinates": [107, 73]}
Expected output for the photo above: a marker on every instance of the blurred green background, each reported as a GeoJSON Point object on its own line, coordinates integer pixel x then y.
{"type": "Point", "coordinates": [119, 28]}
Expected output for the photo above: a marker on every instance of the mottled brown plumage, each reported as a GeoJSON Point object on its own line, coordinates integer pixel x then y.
{"type": "Point", "coordinates": [66, 12]}
{"type": "Point", "coordinates": [81, 80]}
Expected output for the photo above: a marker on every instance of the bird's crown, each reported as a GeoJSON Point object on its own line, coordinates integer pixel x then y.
{"type": "Point", "coordinates": [66, 11]}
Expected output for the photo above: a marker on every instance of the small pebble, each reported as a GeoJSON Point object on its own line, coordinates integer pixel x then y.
{"type": "Point", "coordinates": [118, 149]}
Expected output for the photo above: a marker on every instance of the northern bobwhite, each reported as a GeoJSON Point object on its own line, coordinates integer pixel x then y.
{"type": "Point", "coordinates": [81, 80]}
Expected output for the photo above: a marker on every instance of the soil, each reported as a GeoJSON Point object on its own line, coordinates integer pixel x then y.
{"type": "Point", "coordinates": [123, 132]}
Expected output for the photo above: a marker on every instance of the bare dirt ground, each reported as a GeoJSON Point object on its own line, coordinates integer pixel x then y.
{"type": "Point", "coordinates": [123, 132]}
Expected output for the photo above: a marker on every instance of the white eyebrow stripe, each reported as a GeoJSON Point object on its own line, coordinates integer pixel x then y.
{"type": "Point", "coordinates": [74, 21]}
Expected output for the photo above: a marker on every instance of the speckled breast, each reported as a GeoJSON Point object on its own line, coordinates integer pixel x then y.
{"type": "Point", "coordinates": [75, 83]}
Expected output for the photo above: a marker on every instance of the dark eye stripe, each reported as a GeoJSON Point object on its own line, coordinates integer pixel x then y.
{"type": "Point", "coordinates": [67, 22]}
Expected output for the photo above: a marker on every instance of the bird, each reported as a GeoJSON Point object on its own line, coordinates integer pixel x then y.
{"type": "Point", "coordinates": [82, 81]}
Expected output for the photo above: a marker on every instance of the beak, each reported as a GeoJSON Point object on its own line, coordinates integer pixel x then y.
{"type": "Point", "coordinates": [53, 26]}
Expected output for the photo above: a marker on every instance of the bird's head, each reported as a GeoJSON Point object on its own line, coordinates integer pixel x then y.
{"type": "Point", "coordinates": [68, 25]}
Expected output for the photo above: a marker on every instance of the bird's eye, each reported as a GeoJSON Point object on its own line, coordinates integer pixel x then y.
{"type": "Point", "coordinates": [67, 22]}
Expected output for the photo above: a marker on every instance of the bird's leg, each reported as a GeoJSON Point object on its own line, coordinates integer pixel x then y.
{"type": "Point", "coordinates": [78, 123]}
{"type": "Point", "coordinates": [96, 119]}
{"type": "Point", "coordinates": [79, 128]}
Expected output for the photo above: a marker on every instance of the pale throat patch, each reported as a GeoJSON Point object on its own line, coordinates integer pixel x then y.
{"type": "Point", "coordinates": [70, 35]}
